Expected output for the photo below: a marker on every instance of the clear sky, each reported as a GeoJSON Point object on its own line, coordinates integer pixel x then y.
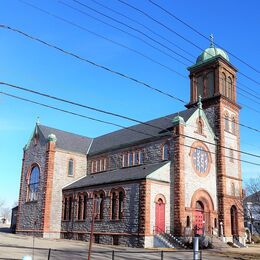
{"type": "Point", "coordinates": [235, 25]}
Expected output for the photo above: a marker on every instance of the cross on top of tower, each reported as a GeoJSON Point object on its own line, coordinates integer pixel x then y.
{"type": "Point", "coordinates": [211, 40]}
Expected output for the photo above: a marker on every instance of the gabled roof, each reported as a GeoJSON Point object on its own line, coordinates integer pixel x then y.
{"type": "Point", "coordinates": [67, 141]}
{"type": "Point", "coordinates": [125, 137]}
{"type": "Point", "coordinates": [119, 175]}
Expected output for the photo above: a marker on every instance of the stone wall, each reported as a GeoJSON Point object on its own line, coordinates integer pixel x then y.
{"type": "Point", "coordinates": [30, 213]}
{"type": "Point", "coordinates": [127, 230]}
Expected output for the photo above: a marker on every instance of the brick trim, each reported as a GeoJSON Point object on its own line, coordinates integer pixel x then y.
{"type": "Point", "coordinates": [48, 183]}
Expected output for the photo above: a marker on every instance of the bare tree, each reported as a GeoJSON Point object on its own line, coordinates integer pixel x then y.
{"type": "Point", "coordinates": [6, 213]}
{"type": "Point", "coordinates": [252, 204]}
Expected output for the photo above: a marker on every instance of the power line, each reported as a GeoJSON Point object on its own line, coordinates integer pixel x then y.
{"type": "Point", "coordinates": [132, 28]}
{"type": "Point", "coordinates": [121, 30]}
{"type": "Point", "coordinates": [101, 121]}
{"type": "Point", "coordinates": [93, 63]}
{"type": "Point", "coordinates": [114, 114]}
{"type": "Point", "coordinates": [176, 33]}
{"type": "Point", "coordinates": [144, 26]}
{"type": "Point", "coordinates": [99, 66]}
{"type": "Point", "coordinates": [103, 37]}
{"type": "Point", "coordinates": [73, 113]}
{"type": "Point", "coordinates": [199, 33]}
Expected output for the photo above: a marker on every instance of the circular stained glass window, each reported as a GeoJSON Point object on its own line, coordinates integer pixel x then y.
{"type": "Point", "coordinates": [200, 159]}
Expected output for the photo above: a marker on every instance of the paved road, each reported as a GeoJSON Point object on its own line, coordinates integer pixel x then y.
{"type": "Point", "coordinates": [13, 246]}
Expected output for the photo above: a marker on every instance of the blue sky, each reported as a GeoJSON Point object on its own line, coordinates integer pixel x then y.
{"type": "Point", "coordinates": [235, 25]}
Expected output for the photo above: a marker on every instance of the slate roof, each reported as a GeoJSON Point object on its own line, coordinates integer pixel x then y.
{"type": "Point", "coordinates": [119, 175]}
{"type": "Point", "coordinates": [125, 136]}
{"type": "Point", "coordinates": [66, 140]}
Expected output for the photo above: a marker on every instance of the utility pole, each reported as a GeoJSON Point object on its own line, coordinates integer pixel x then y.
{"type": "Point", "coordinates": [92, 224]}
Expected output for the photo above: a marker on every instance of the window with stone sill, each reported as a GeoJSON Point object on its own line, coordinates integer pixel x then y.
{"type": "Point", "coordinates": [132, 158]}
{"type": "Point", "coordinates": [81, 207]}
{"type": "Point", "coordinates": [99, 200]}
{"type": "Point", "coordinates": [165, 152]}
{"type": "Point", "coordinates": [71, 168]}
{"type": "Point", "coordinates": [226, 121]}
{"type": "Point", "coordinates": [99, 165]}
{"type": "Point", "coordinates": [67, 208]}
{"type": "Point", "coordinates": [117, 203]}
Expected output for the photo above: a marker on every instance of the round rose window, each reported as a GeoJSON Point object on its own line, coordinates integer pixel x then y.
{"type": "Point", "coordinates": [200, 159]}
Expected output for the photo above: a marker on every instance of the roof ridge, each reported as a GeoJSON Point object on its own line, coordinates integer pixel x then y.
{"type": "Point", "coordinates": [56, 129]}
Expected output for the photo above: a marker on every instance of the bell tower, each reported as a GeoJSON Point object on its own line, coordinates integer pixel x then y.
{"type": "Point", "coordinates": [213, 78]}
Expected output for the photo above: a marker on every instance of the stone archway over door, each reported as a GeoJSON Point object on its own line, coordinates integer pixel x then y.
{"type": "Point", "coordinates": [160, 216]}
{"type": "Point", "coordinates": [233, 218]}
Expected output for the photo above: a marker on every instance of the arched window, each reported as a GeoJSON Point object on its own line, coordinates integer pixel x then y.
{"type": "Point", "coordinates": [113, 206]}
{"type": "Point", "coordinates": [233, 189]}
{"type": "Point", "coordinates": [65, 208]}
{"type": "Point", "coordinates": [233, 126]}
{"type": "Point", "coordinates": [70, 168]}
{"type": "Point", "coordinates": [200, 126]}
{"type": "Point", "coordinates": [226, 122]}
{"type": "Point", "coordinates": [80, 204]}
{"type": "Point", "coordinates": [223, 83]}
{"type": "Point", "coordinates": [120, 205]}
{"type": "Point", "coordinates": [231, 155]}
{"type": "Point", "coordinates": [70, 209]}
{"type": "Point", "coordinates": [85, 207]}
{"type": "Point", "coordinates": [200, 87]}
{"type": "Point", "coordinates": [188, 221]}
{"type": "Point", "coordinates": [33, 184]}
{"type": "Point", "coordinates": [165, 152]}
{"type": "Point", "coordinates": [210, 84]}
{"type": "Point", "coordinates": [229, 88]}
{"type": "Point", "coordinates": [215, 223]}
{"type": "Point", "coordinates": [99, 204]}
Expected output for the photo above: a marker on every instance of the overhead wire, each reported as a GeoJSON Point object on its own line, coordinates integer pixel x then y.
{"type": "Point", "coordinates": [122, 45]}
{"type": "Point", "coordinates": [113, 114]}
{"type": "Point", "coordinates": [144, 26]}
{"type": "Point", "coordinates": [104, 38]}
{"type": "Point", "coordinates": [105, 122]}
{"type": "Point", "coordinates": [92, 62]}
{"type": "Point", "coordinates": [132, 28]}
{"type": "Point", "coordinates": [201, 34]}
{"type": "Point", "coordinates": [176, 33]}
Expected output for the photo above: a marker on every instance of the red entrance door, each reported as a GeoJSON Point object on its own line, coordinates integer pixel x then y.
{"type": "Point", "coordinates": [198, 218]}
{"type": "Point", "coordinates": [160, 216]}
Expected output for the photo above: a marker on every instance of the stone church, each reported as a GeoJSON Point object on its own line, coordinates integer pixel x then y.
{"type": "Point", "coordinates": [179, 174]}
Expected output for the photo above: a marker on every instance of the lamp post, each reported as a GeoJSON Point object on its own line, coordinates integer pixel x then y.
{"type": "Point", "coordinates": [95, 201]}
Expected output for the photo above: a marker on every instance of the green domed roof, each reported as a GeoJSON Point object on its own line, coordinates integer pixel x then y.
{"type": "Point", "coordinates": [211, 52]}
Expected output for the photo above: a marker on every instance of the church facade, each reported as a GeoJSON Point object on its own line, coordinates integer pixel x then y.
{"type": "Point", "coordinates": [178, 174]}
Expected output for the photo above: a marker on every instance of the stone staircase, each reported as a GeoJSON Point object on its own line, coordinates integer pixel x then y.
{"type": "Point", "coordinates": [218, 243]}
{"type": "Point", "coordinates": [169, 240]}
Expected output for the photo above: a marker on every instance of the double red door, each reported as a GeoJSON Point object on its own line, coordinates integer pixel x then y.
{"type": "Point", "coordinates": [198, 222]}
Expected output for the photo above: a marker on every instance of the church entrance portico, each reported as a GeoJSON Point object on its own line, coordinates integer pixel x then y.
{"type": "Point", "coordinates": [202, 212]}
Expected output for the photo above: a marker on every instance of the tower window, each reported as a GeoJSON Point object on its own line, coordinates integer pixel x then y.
{"type": "Point", "coordinates": [231, 155]}
{"type": "Point", "coordinates": [233, 126]}
{"type": "Point", "coordinates": [229, 88]}
{"type": "Point", "coordinates": [210, 84]}
{"type": "Point", "coordinates": [224, 81]}
{"type": "Point", "coordinates": [226, 122]}
{"type": "Point", "coordinates": [200, 87]}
